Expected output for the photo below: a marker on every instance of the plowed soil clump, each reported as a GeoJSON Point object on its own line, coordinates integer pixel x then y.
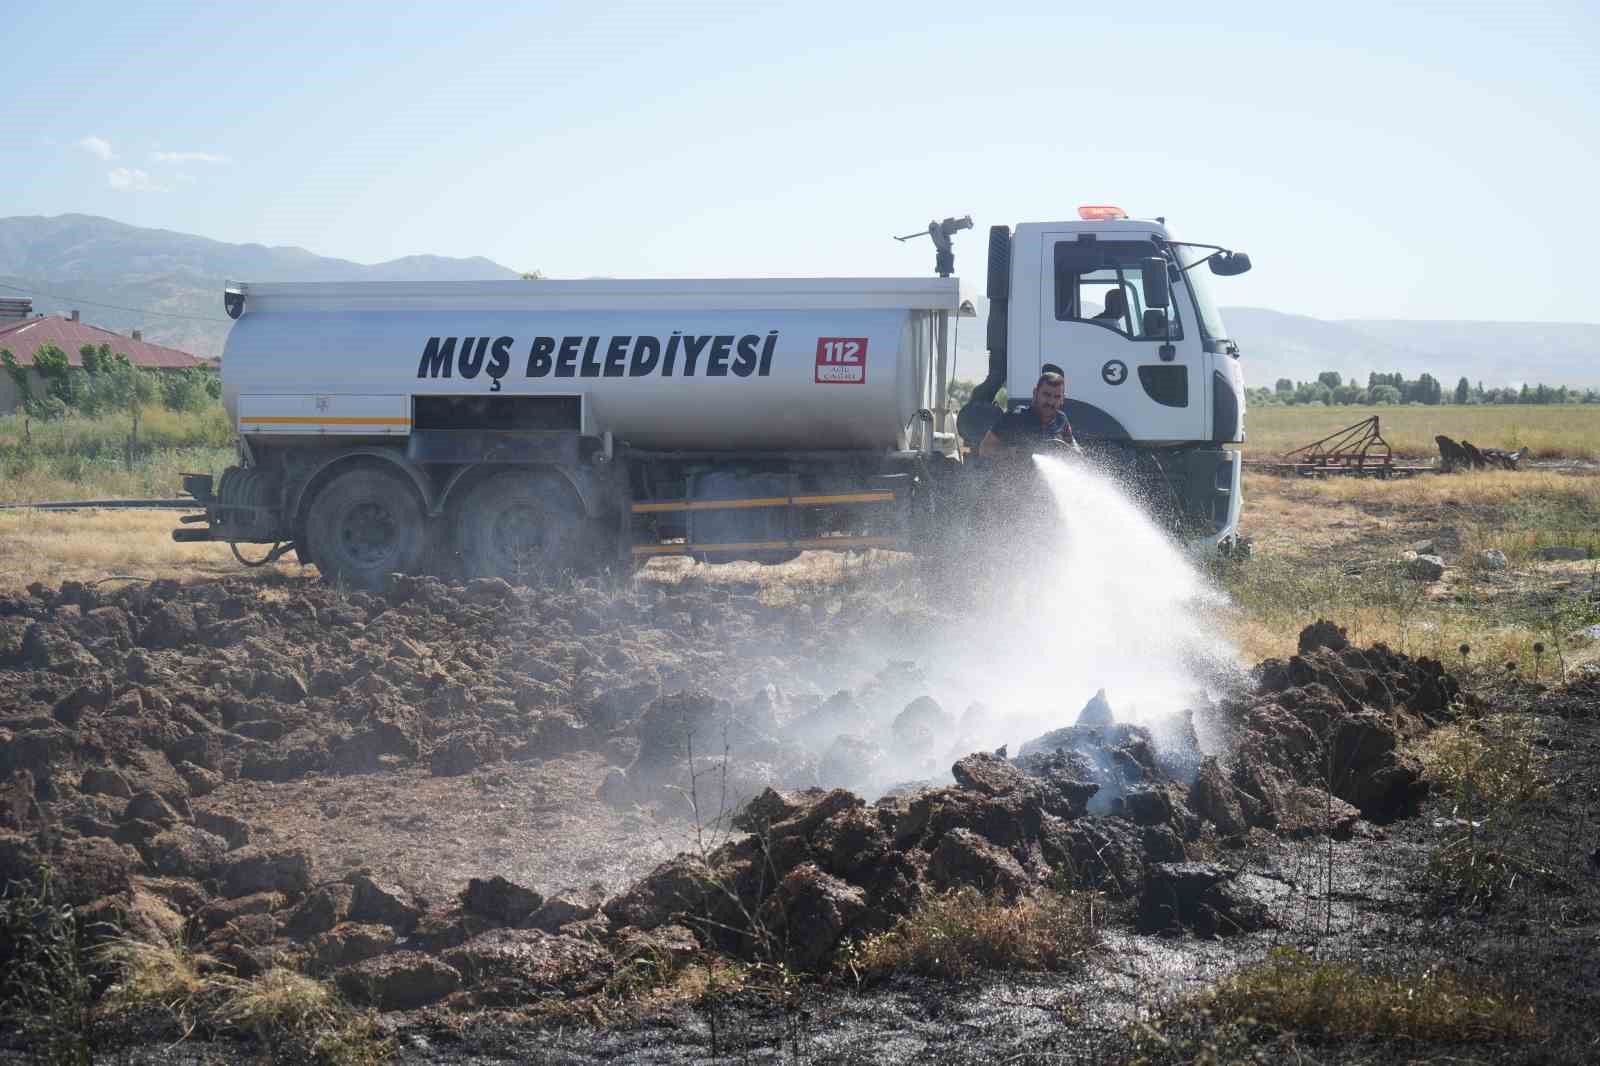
{"type": "Point", "coordinates": [292, 775]}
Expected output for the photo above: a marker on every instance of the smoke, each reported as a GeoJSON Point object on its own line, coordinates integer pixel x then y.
{"type": "Point", "coordinates": [1073, 589]}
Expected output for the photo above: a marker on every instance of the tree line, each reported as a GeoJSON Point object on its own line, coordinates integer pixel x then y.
{"type": "Point", "coordinates": [1331, 387]}
{"type": "Point", "coordinates": [106, 383]}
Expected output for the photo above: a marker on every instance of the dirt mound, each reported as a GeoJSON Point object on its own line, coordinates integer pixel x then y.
{"type": "Point", "coordinates": [124, 711]}
{"type": "Point", "coordinates": [1331, 719]}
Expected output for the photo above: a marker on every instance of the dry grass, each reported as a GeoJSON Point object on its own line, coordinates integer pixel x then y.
{"type": "Point", "coordinates": [964, 932]}
{"type": "Point", "coordinates": [1570, 431]}
{"type": "Point", "coordinates": [289, 1014]}
{"type": "Point", "coordinates": [1332, 549]}
{"type": "Point", "coordinates": [783, 583]}
{"type": "Point", "coordinates": [56, 546]}
{"type": "Point", "coordinates": [1293, 992]}
{"type": "Point", "coordinates": [165, 978]}
{"type": "Point", "coordinates": [1494, 762]}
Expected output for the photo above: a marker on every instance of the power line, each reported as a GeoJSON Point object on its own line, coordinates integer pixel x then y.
{"type": "Point", "coordinates": [114, 307]}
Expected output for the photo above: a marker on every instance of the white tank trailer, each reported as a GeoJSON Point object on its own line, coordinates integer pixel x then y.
{"type": "Point", "coordinates": [524, 428]}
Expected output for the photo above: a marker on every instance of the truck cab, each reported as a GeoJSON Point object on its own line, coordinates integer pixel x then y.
{"type": "Point", "coordinates": [1153, 379]}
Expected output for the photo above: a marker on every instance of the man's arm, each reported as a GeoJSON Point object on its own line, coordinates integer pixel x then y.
{"type": "Point", "coordinates": [991, 445]}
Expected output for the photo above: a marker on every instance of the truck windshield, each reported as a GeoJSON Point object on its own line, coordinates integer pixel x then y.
{"type": "Point", "coordinates": [1199, 280]}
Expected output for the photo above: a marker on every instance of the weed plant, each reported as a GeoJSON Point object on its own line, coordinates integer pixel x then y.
{"type": "Point", "coordinates": [46, 983]}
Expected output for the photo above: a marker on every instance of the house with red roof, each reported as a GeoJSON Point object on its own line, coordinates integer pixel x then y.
{"type": "Point", "coordinates": [23, 334]}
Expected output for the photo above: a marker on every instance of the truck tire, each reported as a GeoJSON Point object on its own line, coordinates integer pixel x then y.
{"type": "Point", "coordinates": [524, 527]}
{"type": "Point", "coordinates": [363, 525]}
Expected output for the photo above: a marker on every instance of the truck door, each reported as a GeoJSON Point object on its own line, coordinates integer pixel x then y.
{"type": "Point", "coordinates": [1127, 364]}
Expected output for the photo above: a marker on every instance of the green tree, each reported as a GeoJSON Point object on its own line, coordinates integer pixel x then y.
{"type": "Point", "coordinates": [1331, 378]}
{"type": "Point", "coordinates": [1383, 394]}
{"type": "Point", "coordinates": [1463, 392]}
{"type": "Point", "coordinates": [1284, 387]}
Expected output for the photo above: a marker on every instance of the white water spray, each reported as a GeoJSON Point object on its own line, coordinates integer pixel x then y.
{"type": "Point", "coordinates": [1101, 598]}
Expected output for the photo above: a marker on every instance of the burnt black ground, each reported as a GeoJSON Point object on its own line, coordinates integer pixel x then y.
{"type": "Point", "coordinates": [1363, 900]}
{"type": "Point", "coordinates": [1541, 941]}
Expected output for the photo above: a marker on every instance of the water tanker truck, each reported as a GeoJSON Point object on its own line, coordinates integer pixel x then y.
{"type": "Point", "coordinates": [525, 428]}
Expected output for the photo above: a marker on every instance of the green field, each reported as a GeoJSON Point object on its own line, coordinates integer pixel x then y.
{"type": "Point", "coordinates": [84, 458]}
{"type": "Point", "coordinates": [1567, 431]}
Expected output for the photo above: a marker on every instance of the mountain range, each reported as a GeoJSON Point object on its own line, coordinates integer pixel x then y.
{"type": "Point", "coordinates": [115, 274]}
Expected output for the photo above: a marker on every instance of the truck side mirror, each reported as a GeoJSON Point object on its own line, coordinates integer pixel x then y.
{"type": "Point", "coordinates": [1156, 291]}
{"type": "Point", "coordinates": [1229, 264]}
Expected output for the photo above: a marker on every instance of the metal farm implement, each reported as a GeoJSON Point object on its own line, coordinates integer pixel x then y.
{"type": "Point", "coordinates": [1358, 450]}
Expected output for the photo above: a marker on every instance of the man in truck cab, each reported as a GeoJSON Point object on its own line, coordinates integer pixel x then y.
{"type": "Point", "coordinates": [1041, 420]}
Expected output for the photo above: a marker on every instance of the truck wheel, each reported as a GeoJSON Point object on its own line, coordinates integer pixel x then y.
{"type": "Point", "coordinates": [363, 525]}
{"type": "Point", "coordinates": [522, 527]}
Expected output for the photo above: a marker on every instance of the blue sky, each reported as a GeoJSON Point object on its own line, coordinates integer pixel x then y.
{"type": "Point", "coordinates": [1433, 162]}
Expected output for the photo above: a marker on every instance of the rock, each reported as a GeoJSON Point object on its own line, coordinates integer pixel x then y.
{"type": "Point", "coordinates": [1161, 844]}
{"type": "Point", "coordinates": [920, 724]}
{"type": "Point", "coordinates": [557, 911]}
{"type": "Point", "coordinates": [462, 753]}
{"type": "Point", "coordinates": [962, 857]}
{"type": "Point", "coordinates": [105, 781]}
{"type": "Point", "coordinates": [531, 961]}
{"type": "Point", "coordinates": [1323, 634]}
{"type": "Point", "coordinates": [500, 900]}
{"type": "Point", "coordinates": [220, 913]}
{"type": "Point", "coordinates": [387, 904]}
{"type": "Point", "coordinates": [84, 870]}
{"type": "Point", "coordinates": [201, 782]}
{"type": "Point", "coordinates": [1562, 553]}
{"type": "Point", "coordinates": [272, 762]}
{"type": "Point", "coordinates": [991, 775]}
{"type": "Point", "coordinates": [1388, 789]}
{"type": "Point", "coordinates": [808, 914]}
{"type": "Point", "coordinates": [850, 761]}
{"type": "Point", "coordinates": [852, 843]}
{"type": "Point", "coordinates": [183, 895]}
{"type": "Point", "coordinates": [1148, 806]}
{"type": "Point", "coordinates": [321, 910]}
{"type": "Point", "coordinates": [148, 807]}
{"type": "Point", "coordinates": [1202, 896]}
{"type": "Point", "coordinates": [367, 748]}
{"type": "Point", "coordinates": [1492, 559]}
{"type": "Point", "coordinates": [673, 724]}
{"type": "Point", "coordinates": [234, 830]}
{"type": "Point", "coordinates": [169, 626]}
{"type": "Point", "coordinates": [402, 980]}
{"type": "Point", "coordinates": [1213, 797]}
{"type": "Point", "coordinates": [1096, 714]}
{"type": "Point", "coordinates": [678, 886]}
{"type": "Point", "coordinates": [184, 851]}
{"type": "Point", "coordinates": [488, 590]}
{"type": "Point", "coordinates": [349, 943]}
{"type": "Point", "coordinates": [1096, 852]}
{"type": "Point", "coordinates": [1425, 567]}
{"type": "Point", "coordinates": [662, 948]}
{"type": "Point", "coordinates": [256, 868]}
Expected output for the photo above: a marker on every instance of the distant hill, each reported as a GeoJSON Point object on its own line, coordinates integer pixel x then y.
{"type": "Point", "coordinates": [1275, 345]}
{"type": "Point", "coordinates": [84, 259]}
{"type": "Point", "coordinates": [1497, 353]}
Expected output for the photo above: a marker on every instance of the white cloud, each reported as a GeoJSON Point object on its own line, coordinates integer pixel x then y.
{"type": "Point", "coordinates": [132, 179]}
{"type": "Point", "coordinates": [189, 157]}
{"type": "Point", "coordinates": [98, 147]}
